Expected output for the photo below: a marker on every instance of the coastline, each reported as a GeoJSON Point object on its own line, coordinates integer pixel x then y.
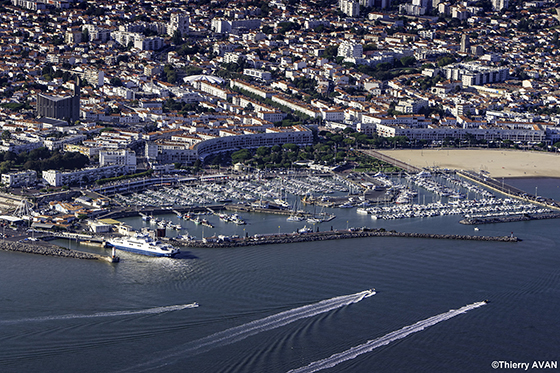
{"type": "Point", "coordinates": [499, 163]}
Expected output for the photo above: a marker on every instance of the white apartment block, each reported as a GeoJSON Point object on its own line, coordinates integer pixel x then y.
{"type": "Point", "coordinates": [18, 179]}
{"type": "Point", "coordinates": [214, 90]}
{"type": "Point", "coordinates": [87, 175]}
{"type": "Point", "coordinates": [179, 23]}
{"type": "Point", "coordinates": [298, 106]}
{"type": "Point", "coordinates": [150, 44]}
{"type": "Point", "coordinates": [272, 116]}
{"type": "Point", "coordinates": [97, 33]}
{"type": "Point", "coordinates": [348, 49]}
{"type": "Point", "coordinates": [473, 73]}
{"type": "Point", "coordinates": [500, 4]}
{"type": "Point", "coordinates": [94, 77]}
{"type": "Point", "coordinates": [121, 157]}
{"type": "Point", "coordinates": [256, 90]}
{"type": "Point", "coordinates": [53, 143]}
{"type": "Point", "coordinates": [224, 26]}
{"type": "Point", "coordinates": [168, 151]}
{"type": "Point", "coordinates": [350, 8]}
{"type": "Point", "coordinates": [298, 135]}
{"type": "Point", "coordinates": [258, 74]}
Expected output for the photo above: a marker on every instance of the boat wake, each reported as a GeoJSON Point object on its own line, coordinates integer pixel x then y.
{"type": "Point", "coordinates": [241, 332]}
{"type": "Point", "coordinates": [147, 311]}
{"type": "Point", "coordinates": [382, 341]}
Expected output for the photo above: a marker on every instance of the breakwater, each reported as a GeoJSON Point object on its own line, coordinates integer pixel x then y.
{"type": "Point", "coordinates": [42, 248]}
{"type": "Point", "coordinates": [509, 219]}
{"type": "Point", "coordinates": [334, 235]}
{"type": "Point", "coordinates": [264, 210]}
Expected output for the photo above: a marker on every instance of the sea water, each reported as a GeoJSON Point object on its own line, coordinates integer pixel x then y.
{"type": "Point", "coordinates": [277, 308]}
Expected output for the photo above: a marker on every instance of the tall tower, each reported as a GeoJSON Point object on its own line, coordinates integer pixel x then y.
{"type": "Point", "coordinates": [465, 44]}
{"type": "Point", "coordinates": [500, 4]}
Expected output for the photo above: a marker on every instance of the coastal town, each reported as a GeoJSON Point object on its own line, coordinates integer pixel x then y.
{"type": "Point", "coordinates": [102, 101]}
{"type": "Point", "coordinates": [279, 185]}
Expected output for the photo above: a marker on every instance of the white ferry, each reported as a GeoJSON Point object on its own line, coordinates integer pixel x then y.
{"type": "Point", "coordinates": [143, 244]}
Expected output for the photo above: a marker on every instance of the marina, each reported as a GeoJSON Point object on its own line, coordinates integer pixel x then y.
{"type": "Point", "coordinates": [263, 273]}
{"type": "Point", "coordinates": [308, 208]}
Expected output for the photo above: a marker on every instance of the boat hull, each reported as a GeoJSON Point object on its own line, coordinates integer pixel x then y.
{"type": "Point", "coordinates": [142, 251]}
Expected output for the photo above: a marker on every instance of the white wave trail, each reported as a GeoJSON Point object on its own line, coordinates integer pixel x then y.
{"type": "Point", "coordinates": [147, 311]}
{"type": "Point", "coordinates": [382, 341]}
{"type": "Point", "coordinates": [241, 332]}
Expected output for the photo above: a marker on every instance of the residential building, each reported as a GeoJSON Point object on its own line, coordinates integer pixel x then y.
{"type": "Point", "coordinates": [87, 175]}
{"type": "Point", "coordinates": [19, 179]}
{"type": "Point", "coordinates": [121, 157]}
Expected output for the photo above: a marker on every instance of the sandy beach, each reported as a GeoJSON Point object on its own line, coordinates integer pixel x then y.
{"type": "Point", "coordinates": [498, 162]}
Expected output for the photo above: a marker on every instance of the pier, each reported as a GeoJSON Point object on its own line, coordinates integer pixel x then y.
{"type": "Point", "coordinates": [509, 219]}
{"type": "Point", "coordinates": [287, 238]}
{"type": "Point", "coordinates": [43, 248]}
{"type": "Point", "coordinates": [508, 190]}
{"type": "Point", "coordinates": [264, 210]}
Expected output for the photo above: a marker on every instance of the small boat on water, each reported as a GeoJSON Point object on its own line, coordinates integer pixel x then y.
{"type": "Point", "coordinates": [236, 219]}
{"type": "Point", "coordinates": [294, 218]}
{"type": "Point", "coordinates": [314, 220]}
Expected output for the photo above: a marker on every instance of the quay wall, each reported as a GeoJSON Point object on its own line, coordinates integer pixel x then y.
{"type": "Point", "coordinates": [337, 235]}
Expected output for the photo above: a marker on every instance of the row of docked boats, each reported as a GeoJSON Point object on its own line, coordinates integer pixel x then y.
{"type": "Point", "coordinates": [495, 207]}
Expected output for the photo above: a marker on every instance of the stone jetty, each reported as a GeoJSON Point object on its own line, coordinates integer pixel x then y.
{"type": "Point", "coordinates": [509, 219]}
{"type": "Point", "coordinates": [43, 248]}
{"type": "Point", "coordinates": [335, 235]}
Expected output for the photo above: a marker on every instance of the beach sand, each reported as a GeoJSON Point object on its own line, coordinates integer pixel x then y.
{"type": "Point", "coordinates": [498, 162]}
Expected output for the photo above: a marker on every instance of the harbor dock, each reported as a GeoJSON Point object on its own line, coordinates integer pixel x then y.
{"type": "Point", "coordinates": [333, 235]}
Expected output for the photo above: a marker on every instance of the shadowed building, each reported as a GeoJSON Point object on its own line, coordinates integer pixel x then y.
{"type": "Point", "coordinates": [60, 107]}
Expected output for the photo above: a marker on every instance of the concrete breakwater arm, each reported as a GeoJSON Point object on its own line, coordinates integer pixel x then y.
{"type": "Point", "coordinates": [509, 219]}
{"type": "Point", "coordinates": [46, 249]}
{"type": "Point", "coordinates": [338, 235]}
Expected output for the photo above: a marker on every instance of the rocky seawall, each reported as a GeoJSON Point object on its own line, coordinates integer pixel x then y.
{"type": "Point", "coordinates": [336, 235]}
{"type": "Point", "coordinates": [509, 219]}
{"type": "Point", "coordinates": [42, 248]}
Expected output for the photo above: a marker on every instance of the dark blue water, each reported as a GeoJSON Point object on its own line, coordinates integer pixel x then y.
{"type": "Point", "coordinates": [59, 315]}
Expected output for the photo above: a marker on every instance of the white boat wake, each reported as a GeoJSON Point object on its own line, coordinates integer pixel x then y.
{"type": "Point", "coordinates": [147, 311]}
{"type": "Point", "coordinates": [382, 341]}
{"type": "Point", "coordinates": [241, 332]}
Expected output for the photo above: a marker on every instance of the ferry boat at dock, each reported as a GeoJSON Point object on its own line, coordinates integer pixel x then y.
{"type": "Point", "coordinates": [143, 244]}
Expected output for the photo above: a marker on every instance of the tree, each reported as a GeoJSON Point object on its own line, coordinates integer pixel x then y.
{"type": "Point", "coordinates": [408, 61]}
{"type": "Point", "coordinates": [6, 135]}
{"type": "Point", "coordinates": [263, 151]}
{"type": "Point", "coordinates": [241, 156]}
{"type": "Point", "coordinates": [115, 81]}
{"type": "Point", "coordinates": [290, 147]}
{"type": "Point", "coordinates": [177, 38]}
{"type": "Point", "coordinates": [5, 167]}
{"type": "Point", "coordinates": [171, 76]}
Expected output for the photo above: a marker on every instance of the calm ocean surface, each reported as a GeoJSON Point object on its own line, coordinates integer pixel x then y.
{"type": "Point", "coordinates": [65, 315]}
